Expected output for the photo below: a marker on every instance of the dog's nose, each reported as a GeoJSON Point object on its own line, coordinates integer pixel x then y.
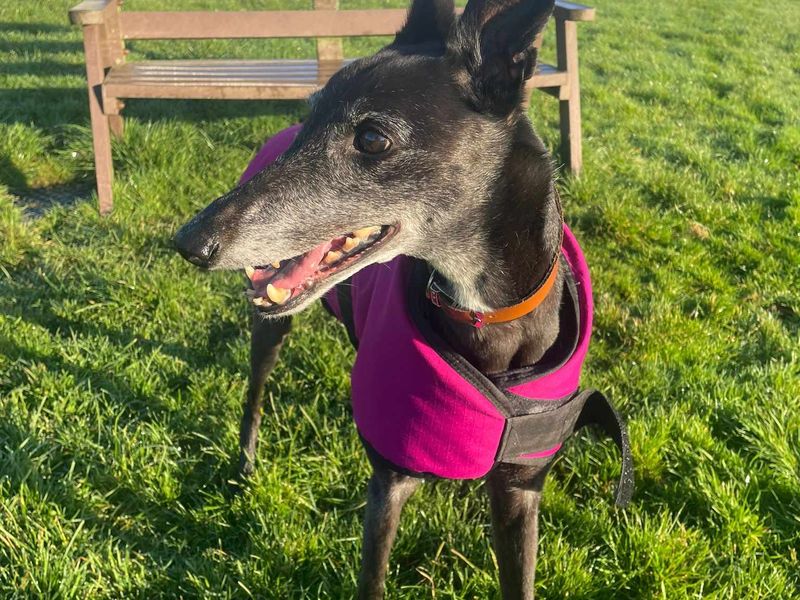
{"type": "Point", "coordinates": [198, 250]}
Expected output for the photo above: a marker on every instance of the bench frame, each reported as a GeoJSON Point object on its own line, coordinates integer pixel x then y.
{"type": "Point", "coordinates": [106, 27]}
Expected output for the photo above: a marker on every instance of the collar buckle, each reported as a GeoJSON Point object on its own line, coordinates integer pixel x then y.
{"type": "Point", "coordinates": [477, 319]}
{"type": "Point", "coordinates": [433, 291]}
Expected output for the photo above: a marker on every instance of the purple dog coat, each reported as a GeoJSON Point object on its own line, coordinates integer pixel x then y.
{"type": "Point", "coordinates": [424, 409]}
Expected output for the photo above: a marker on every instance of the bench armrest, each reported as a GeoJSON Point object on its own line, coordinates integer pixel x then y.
{"type": "Point", "coordinates": [571, 11]}
{"type": "Point", "coordinates": [91, 12]}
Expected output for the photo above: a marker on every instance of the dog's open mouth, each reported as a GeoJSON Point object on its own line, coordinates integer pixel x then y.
{"type": "Point", "coordinates": [281, 285]}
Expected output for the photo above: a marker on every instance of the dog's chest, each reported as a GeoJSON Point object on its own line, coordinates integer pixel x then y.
{"type": "Point", "coordinates": [425, 408]}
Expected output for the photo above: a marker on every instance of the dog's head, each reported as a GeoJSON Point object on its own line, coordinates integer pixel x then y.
{"type": "Point", "coordinates": [398, 155]}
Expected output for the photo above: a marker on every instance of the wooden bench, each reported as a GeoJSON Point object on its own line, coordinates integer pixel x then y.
{"type": "Point", "coordinates": [106, 28]}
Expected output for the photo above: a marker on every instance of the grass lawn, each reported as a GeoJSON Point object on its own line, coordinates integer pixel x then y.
{"type": "Point", "coordinates": [122, 369]}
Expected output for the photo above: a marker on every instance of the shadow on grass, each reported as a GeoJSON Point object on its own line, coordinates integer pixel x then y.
{"type": "Point", "coordinates": [193, 111]}
{"type": "Point", "coordinates": [42, 68]}
{"type": "Point", "coordinates": [216, 350]}
{"type": "Point", "coordinates": [772, 208]}
{"type": "Point", "coordinates": [36, 201]}
{"type": "Point", "coordinates": [44, 106]}
{"type": "Point", "coordinates": [40, 46]}
{"type": "Point", "coordinates": [33, 27]}
{"type": "Point", "coordinates": [11, 176]}
{"type": "Point", "coordinates": [787, 315]}
{"type": "Point", "coordinates": [58, 106]}
{"type": "Point", "coordinates": [141, 407]}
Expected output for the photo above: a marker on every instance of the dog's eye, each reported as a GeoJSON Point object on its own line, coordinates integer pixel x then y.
{"type": "Point", "coordinates": [370, 141]}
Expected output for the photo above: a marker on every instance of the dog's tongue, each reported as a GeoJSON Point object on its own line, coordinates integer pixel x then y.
{"type": "Point", "coordinates": [301, 268]}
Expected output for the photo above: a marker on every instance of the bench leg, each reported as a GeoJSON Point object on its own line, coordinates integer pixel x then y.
{"type": "Point", "coordinates": [570, 122]}
{"type": "Point", "coordinates": [103, 165]}
{"type": "Point", "coordinates": [112, 108]}
{"type": "Point", "coordinates": [570, 102]}
{"type": "Point", "coordinates": [117, 125]}
{"type": "Point", "coordinates": [101, 129]}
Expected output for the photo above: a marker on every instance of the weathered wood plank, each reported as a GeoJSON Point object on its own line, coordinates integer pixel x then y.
{"type": "Point", "coordinates": [277, 91]}
{"type": "Point", "coordinates": [328, 48]}
{"type": "Point", "coordinates": [244, 79]}
{"type": "Point", "coordinates": [570, 96]}
{"type": "Point", "coordinates": [101, 135]}
{"type": "Point", "coordinates": [547, 76]}
{"type": "Point", "coordinates": [263, 24]}
{"type": "Point", "coordinates": [91, 12]}
{"type": "Point", "coordinates": [572, 11]}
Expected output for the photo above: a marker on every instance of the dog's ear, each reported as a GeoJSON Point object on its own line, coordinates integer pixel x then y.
{"type": "Point", "coordinates": [428, 22]}
{"type": "Point", "coordinates": [492, 42]}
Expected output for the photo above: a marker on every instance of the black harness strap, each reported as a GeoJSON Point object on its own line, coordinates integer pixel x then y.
{"type": "Point", "coordinates": [598, 410]}
{"type": "Point", "coordinates": [536, 437]}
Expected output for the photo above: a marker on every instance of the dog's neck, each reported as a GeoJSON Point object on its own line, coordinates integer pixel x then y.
{"type": "Point", "coordinates": [506, 256]}
{"type": "Point", "coordinates": [504, 250]}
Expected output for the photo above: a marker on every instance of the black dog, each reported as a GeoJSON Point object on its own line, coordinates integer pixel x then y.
{"type": "Point", "coordinates": [421, 150]}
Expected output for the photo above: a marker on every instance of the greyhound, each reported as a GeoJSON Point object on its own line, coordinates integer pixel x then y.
{"type": "Point", "coordinates": [422, 150]}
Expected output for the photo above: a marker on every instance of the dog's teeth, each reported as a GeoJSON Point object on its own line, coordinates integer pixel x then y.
{"type": "Point", "coordinates": [278, 295]}
{"type": "Point", "coordinates": [332, 257]}
{"type": "Point", "coordinates": [259, 301]}
{"type": "Point", "coordinates": [350, 244]}
{"type": "Point", "coordinates": [365, 232]}
{"type": "Point", "coordinates": [276, 264]}
{"type": "Point", "coordinates": [250, 271]}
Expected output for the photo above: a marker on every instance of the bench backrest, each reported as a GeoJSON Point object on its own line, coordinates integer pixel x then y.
{"type": "Point", "coordinates": [325, 22]}
{"type": "Point", "coordinates": [260, 24]}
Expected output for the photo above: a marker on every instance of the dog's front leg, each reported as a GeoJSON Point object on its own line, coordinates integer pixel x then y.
{"type": "Point", "coordinates": [267, 336]}
{"type": "Point", "coordinates": [514, 492]}
{"type": "Point", "coordinates": [387, 493]}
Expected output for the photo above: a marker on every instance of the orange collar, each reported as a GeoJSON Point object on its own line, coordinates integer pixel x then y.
{"type": "Point", "coordinates": [478, 319]}
{"type": "Point", "coordinates": [442, 300]}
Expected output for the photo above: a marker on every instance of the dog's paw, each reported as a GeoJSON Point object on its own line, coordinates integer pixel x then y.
{"type": "Point", "coordinates": [246, 466]}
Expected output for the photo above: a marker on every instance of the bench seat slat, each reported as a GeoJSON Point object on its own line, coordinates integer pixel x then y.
{"type": "Point", "coordinates": [243, 79]}
{"type": "Point", "coordinates": [204, 69]}
{"type": "Point", "coordinates": [219, 79]}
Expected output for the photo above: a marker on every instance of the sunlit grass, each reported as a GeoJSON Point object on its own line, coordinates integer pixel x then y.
{"type": "Point", "coordinates": [122, 370]}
